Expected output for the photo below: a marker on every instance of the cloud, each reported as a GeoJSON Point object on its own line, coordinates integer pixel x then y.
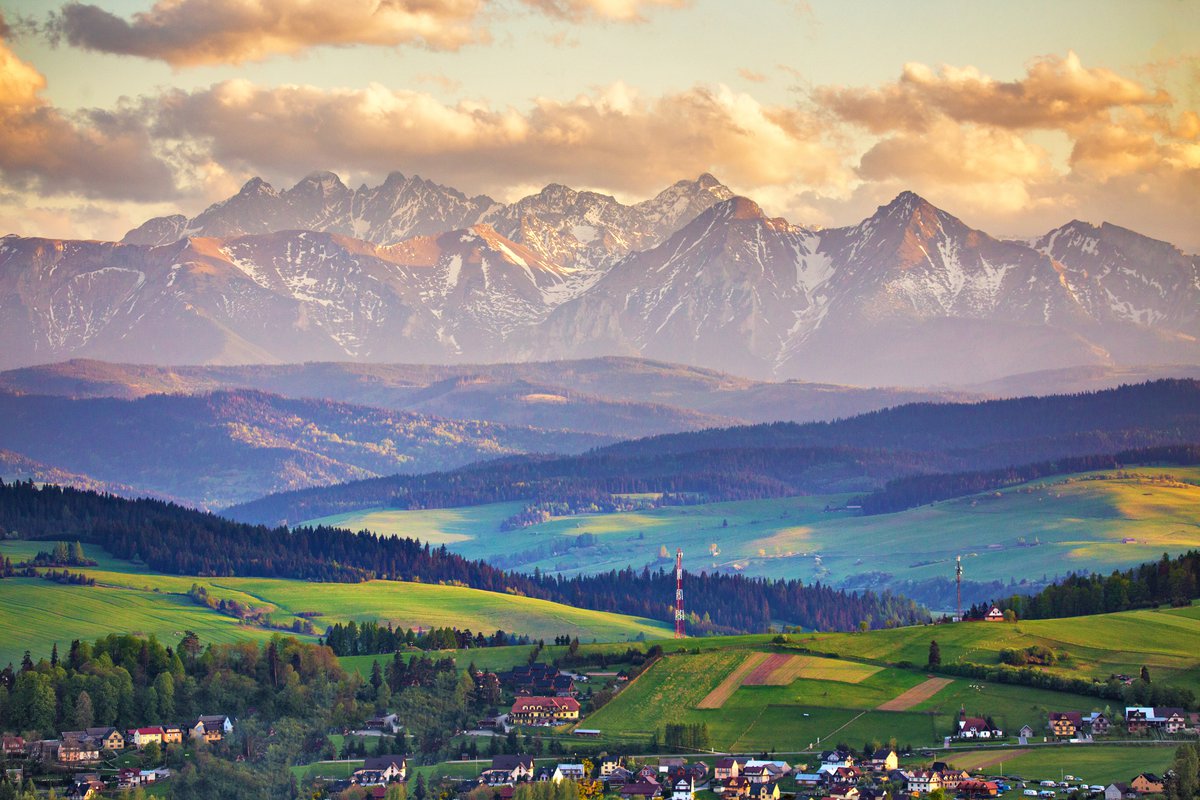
{"type": "Point", "coordinates": [187, 33]}
{"type": "Point", "coordinates": [613, 138]}
{"type": "Point", "coordinates": [1055, 92]}
{"type": "Point", "coordinates": [94, 153]}
{"type": "Point", "coordinates": [751, 75]}
{"type": "Point", "coordinates": [608, 10]}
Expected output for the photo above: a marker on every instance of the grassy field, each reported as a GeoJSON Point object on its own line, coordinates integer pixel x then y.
{"type": "Point", "coordinates": [1097, 764]}
{"type": "Point", "coordinates": [1078, 522]}
{"type": "Point", "coordinates": [34, 614]}
{"type": "Point", "coordinates": [38, 613]}
{"type": "Point", "coordinates": [1163, 640]}
{"type": "Point", "coordinates": [809, 712]}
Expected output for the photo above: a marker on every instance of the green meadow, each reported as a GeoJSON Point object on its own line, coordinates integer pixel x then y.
{"type": "Point", "coordinates": [1092, 521]}
{"type": "Point", "coordinates": [1097, 764]}
{"type": "Point", "coordinates": [39, 613]}
{"type": "Point", "coordinates": [806, 714]}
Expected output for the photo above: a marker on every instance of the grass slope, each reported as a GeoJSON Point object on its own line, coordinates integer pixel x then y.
{"type": "Point", "coordinates": [35, 614]}
{"type": "Point", "coordinates": [1093, 521]}
{"type": "Point", "coordinates": [157, 604]}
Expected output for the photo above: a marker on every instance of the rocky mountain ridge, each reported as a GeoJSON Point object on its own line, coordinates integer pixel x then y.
{"type": "Point", "coordinates": [413, 272]}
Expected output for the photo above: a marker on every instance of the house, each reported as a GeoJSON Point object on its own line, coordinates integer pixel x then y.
{"type": "Point", "coordinates": [681, 784]}
{"type": "Point", "coordinates": [643, 789]}
{"type": "Point", "coordinates": [608, 764]}
{"type": "Point", "coordinates": [86, 788]}
{"type": "Point", "coordinates": [765, 791]}
{"type": "Point", "coordinates": [922, 781]}
{"type": "Point", "coordinates": [128, 778]}
{"type": "Point", "coordinates": [953, 778]}
{"type": "Point", "coordinates": [78, 751]}
{"type": "Point", "coordinates": [1026, 733]}
{"type": "Point", "coordinates": [568, 772]}
{"type": "Point", "coordinates": [737, 786]}
{"type": "Point", "coordinates": [973, 788]}
{"type": "Point", "coordinates": [388, 723]}
{"type": "Point", "coordinates": [544, 710]}
{"type": "Point", "coordinates": [976, 728]}
{"type": "Point", "coordinates": [392, 768]}
{"type": "Point", "coordinates": [1065, 724]}
{"type": "Point", "coordinates": [513, 769]}
{"type": "Point", "coordinates": [727, 768]}
{"type": "Point", "coordinates": [618, 777]}
{"type": "Point", "coordinates": [172, 734]}
{"type": "Point", "coordinates": [1118, 791]}
{"type": "Point", "coordinates": [883, 760]}
{"type": "Point", "coordinates": [109, 739]}
{"type": "Point", "coordinates": [837, 758]}
{"type": "Point", "coordinates": [144, 736]}
{"type": "Point", "coordinates": [771, 770]}
{"type": "Point", "coordinates": [995, 615]}
{"type": "Point", "coordinates": [13, 746]}
{"type": "Point", "coordinates": [211, 728]}
{"type": "Point", "coordinates": [1097, 723]}
{"type": "Point", "coordinates": [1174, 719]}
{"type": "Point", "coordinates": [844, 775]}
{"type": "Point", "coordinates": [1147, 783]}
{"type": "Point", "coordinates": [808, 779]}
{"type": "Point", "coordinates": [843, 791]}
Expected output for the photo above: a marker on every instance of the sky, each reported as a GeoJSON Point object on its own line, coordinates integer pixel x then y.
{"type": "Point", "coordinates": [1014, 116]}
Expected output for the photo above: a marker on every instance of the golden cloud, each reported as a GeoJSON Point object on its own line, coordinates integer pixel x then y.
{"type": "Point", "coordinates": [613, 138]}
{"type": "Point", "coordinates": [93, 153]}
{"type": "Point", "coordinates": [192, 32]}
{"type": "Point", "coordinates": [1055, 92]}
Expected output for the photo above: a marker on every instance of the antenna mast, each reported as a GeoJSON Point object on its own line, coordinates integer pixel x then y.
{"type": "Point", "coordinates": [679, 633]}
{"type": "Point", "coordinates": [958, 581]}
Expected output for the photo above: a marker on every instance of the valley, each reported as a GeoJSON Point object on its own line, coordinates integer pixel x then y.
{"type": "Point", "coordinates": [1011, 539]}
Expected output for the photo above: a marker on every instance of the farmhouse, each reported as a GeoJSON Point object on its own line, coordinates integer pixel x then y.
{"type": "Point", "coordinates": [1147, 783]}
{"type": "Point", "coordinates": [13, 746]}
{"type": "Point", "coordinates": [883, 760]}
{"type": "Point", "coordinates": [544, 710]}
{"type": "Point", "coordinates": [144, 736]}
{"type": "Point", "coordinates": [681, 784]}
{"type": "Point", "coordinates": [509, 770]}
{"type": "Point", "coordinates": [211, 728]}
{"type": "Point", "coordinates": [108, 738]}
{"type": "Point", "coordinates": [1097, 723]}
{"type": "Point", "coordinates": [390, 767]}
{"type": "Point", "coordinates": [568, 772]}
{"type": "Point", "coordinates": [976, 728]}
{"type": "Point", "coordinates": [995, 615]}
{"type": "Point", "coordinates": [1066, 724]}
{"type": "Point", "coordinates": [922, 781]}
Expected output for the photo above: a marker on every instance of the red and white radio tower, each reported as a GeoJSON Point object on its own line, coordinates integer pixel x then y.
{"type": "Point", "coordinates": [679, 633]}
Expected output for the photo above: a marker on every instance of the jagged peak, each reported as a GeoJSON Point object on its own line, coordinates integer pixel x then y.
{"type": "Point", "coordinates": [257, 186]}
{"type": "Point", "coordinates": [738, 207]}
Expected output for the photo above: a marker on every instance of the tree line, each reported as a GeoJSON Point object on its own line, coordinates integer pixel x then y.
{"type": "Point", "coordinates": [180, 541]}
{"type": "Point", "coordinates": [911, 491]}
{"type": "Point", "coordinates": [370, 638]}
{"type": "Point", "coordinates": [1168, 580]}
{"type": "Point", "coordinates": [783, 458]}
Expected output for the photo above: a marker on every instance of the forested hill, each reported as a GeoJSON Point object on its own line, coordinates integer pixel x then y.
{"type": "Point", "coordinates": [859, 454]}
{"type": "Point", "coordinates": [173, 539]}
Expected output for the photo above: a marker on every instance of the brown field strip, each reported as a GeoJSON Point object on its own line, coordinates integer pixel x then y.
{"type": "Point", "coordinates": [781, 670]}
{"type": "Point", "coordinates": [717, 697]}
{"type": "Point", "coordinates": [761, 676]}
{"type": "Point", "coordinates": [918, 694]}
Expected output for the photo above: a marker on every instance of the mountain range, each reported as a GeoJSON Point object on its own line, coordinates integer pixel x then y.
{"type": "Point", "coordinates": [411, 271]}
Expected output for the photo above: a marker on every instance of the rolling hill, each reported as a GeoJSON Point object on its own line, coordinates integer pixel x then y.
{"type": "Point", "coordinates": [129, 598]}
{"type": "Point", "coordinates": [785, 459]}
{"type": "Point", "coordinates": [215, 449]}
{"type": "Point", "coordinates": [1010, 540]}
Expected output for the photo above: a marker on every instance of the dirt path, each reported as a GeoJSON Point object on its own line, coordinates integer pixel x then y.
{"type": "Point", "coordinates": [717, 697]}
{"type": "Point", "coordinates": [918, 694]}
